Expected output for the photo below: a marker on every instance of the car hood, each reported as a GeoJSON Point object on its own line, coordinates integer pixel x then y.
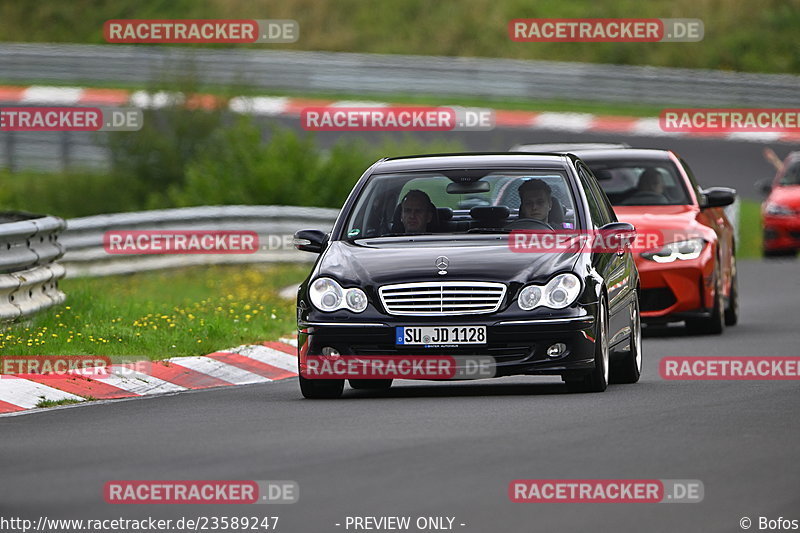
{"type": "Point", "coordinates": [398, 260]}
{"type": "Point", "coordinates": [671, 222]}
{"type": "Point", "coordinates": [788, 196]}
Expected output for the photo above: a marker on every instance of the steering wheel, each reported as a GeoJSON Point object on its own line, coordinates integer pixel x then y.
{"type": "Point", "coordinates": [528, 223]}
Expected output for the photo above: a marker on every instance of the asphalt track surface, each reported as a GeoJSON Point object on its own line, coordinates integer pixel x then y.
{"type": "Point", "coordinates": [445, 449]}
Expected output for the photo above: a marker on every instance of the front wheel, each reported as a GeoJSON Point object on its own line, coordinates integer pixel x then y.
{"type": "Point", "coordinates": [732, 311]}
{"type": "Point", "coordinates": [629, 368]}
{"type": "Point", "coordinates": [321, 389]}
{"type": "Point", "coordinates": [597, 379]}
{"type": "Point", "coordinates": [715, 324]}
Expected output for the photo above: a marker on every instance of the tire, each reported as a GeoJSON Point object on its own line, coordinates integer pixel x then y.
{"type": "Point", "coordinates": [715, 324]}
{"type": "Point", "coordinates": [321, 389]}
{"type": "Point", "coordinates": [629, 368]}
{"type": "Point", "coordinates": [732, 311]}
{"type": "Point", "coordinates": [370, 384]}
{"type": "Point", "coordinates": [597, 379]}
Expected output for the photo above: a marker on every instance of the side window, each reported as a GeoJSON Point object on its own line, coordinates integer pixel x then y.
{"type": "Point", "coordinates": [591, 197]}
{"type": "Point", "coordinates": [692, 179]}
{"type": "Point", "coordinates": [599, 208]}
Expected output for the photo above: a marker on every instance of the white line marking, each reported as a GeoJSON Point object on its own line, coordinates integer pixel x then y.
{"type": "Point", "coordinates": [259, 105]}
{"type": "Point", "coordinates": [651, 127]}
{"type": "Point", "coordinates": [41, 94]}
{"type": "Point", "coordinates": [577, 122]}
{"type": "Point", "coordinates": [287, 340]}
{"type": "Point", "coordinates": [137, 382]}
{"type": "Point", "coordinates": [358, 103]}
{"type": "Point", "coordinates": [270, 356]}
{"type": "Point", "coordinates": [27, 394]}
{"type": "Point", "coordinates": [218, 369]}
{"type": "Point", "coordinates": [756, 136]}
{"type": "Point", "coordinates": [156, 100]}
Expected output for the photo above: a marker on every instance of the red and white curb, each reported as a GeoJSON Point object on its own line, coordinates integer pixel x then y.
{"type": "Point", "coordinates": [270, 361]}
{"type": "Point", "coordinates": [282, 106]}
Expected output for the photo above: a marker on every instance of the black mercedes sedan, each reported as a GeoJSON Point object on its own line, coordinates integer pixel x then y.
{"type": "Point", "coordinates": [423, 263]}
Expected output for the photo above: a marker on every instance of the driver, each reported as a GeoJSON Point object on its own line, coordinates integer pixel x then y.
{"type": "Point", "coordinates": [417, 211]}
{"type": "Point", "coordinates": [536, 200]}
{"type": "Point", "coordinates": [650, 182]}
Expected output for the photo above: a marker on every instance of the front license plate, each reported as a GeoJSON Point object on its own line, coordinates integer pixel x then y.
{"type": "Point", "coordinates": [439, 335]}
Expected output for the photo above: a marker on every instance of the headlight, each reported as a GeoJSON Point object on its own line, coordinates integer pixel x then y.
{"type": "Point", "coordinates": [778, 210]}
{"type": "Point", "coordinates": [558, 293]}
{"type": "Point", "coordinates": [327, 295]}
{"type": "Point", "coordinates": [673, 251]}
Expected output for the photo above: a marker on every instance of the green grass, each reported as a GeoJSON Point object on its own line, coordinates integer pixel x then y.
{"type": "Point", "coordinates": [739, 34]}
{"type": "Point", "coordinates": [156, 315]}
{"type": "Point", "coordinates": [750, 234]}
{"type": "Point", "coordinates": [44, 402]}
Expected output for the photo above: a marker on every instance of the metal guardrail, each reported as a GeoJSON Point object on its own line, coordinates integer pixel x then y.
{"type": "Point", "coordinates": [86, 255]}
{"type": "Point", "coordinates": [367, 74]}
{"type": "Point", "coordinates": [395, 74]}
{"type": "Point", "coordinates": [28, 274]}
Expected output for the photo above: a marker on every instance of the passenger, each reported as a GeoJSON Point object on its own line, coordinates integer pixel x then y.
{"type": "Point", "coordinates": [536, 200]}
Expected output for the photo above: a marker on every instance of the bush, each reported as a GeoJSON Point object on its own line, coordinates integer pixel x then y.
{"type": "Point", "coordinates": [236, 167]}
{"type": "Point", "coordinates": [157, 155]}
{"type": "Point", "coordinates": [69, 195]}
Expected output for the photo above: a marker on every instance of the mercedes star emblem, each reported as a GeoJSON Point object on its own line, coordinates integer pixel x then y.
{"type": "Point", "coordinates": [442, 263]}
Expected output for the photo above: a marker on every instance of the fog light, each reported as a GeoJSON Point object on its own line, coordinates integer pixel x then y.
{"type": "Point", "coordinates": [557, 350]}
{"type": "Point", "coordinates": [327, 351]}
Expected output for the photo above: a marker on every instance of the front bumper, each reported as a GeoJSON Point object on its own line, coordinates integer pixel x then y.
{"type": "Point", "coordinates": [781, 233]}
{"type": "Point", "coordinates": [677, 290]}
{"type": "Point", "coordinates": [517, 346]}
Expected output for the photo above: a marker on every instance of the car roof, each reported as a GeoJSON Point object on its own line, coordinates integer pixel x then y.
{"type": "Point", "coordinates": [566, 147]}
{"type": "Point", "coordinates": [471, 160]}
{"type": "Point", "coordinates": [636, 154]}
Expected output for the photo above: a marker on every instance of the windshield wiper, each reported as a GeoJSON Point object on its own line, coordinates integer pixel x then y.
{"type": "Point", "coordinates": [403, 234]}
{"type": "Point", "coordinates": [489, 230]}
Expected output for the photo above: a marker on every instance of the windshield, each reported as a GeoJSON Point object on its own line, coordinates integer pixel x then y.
{"type": "Point", "coordinates": [640, 182]}
{"type": "Point", "coordinates": [458, 203]}
{"type": "Point", "coordinates": [792, 174]}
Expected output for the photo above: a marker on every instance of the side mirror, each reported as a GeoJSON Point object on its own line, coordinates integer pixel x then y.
{"type": "Point", "coordinates": [764, 186]}
{"type": "Point", "coordinates": [310, 240]}
{"type": "Point", "coordinates": [717, 197]}
{"type": "Point", "coordinates": [625, 231]}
